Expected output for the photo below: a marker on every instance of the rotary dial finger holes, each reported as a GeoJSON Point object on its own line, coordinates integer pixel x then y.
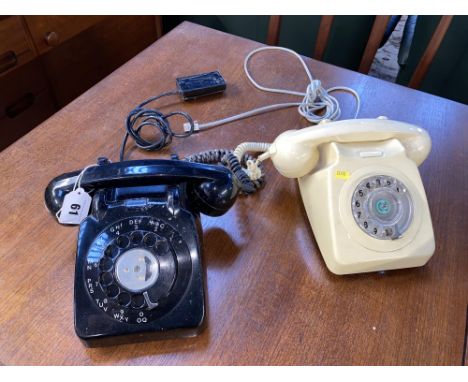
{"type": "Point", "coordinates": [382, 207]}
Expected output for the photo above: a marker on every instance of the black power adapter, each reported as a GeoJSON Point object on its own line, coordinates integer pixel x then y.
{"type": "Point", "coordinates": [200, 85]}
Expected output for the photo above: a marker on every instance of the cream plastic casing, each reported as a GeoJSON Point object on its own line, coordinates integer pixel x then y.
{"type": "Point", "coordinates": [330, 160]}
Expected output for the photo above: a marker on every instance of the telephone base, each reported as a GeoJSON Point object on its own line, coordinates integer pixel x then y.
{"type": "Point", "coordinates": [138, 270]}
{"type": "Point", "coordinates": [369, 213]}
{"type": "Point", "coordinates": [125, 339]}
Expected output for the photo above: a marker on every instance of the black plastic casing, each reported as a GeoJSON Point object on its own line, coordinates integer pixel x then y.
{"type": "Point", "coordinates": [199, 85]}
{"type": "Point", "coordinates": [183, 318]}
{"type": "Point", "coordinates": [163, 198]}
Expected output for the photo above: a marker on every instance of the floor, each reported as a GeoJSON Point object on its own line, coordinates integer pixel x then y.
{"type": "Point", "coordinates": [385, 65]}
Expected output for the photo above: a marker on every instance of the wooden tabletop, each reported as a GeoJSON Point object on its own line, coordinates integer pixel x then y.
{"type": "Point", "coordinates": [270, 298]}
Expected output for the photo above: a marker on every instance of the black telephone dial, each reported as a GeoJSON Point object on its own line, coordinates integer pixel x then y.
{"type": "Point", "coordinates": [138, 270]}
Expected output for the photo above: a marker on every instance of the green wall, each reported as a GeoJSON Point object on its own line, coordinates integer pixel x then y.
{"type": "Point", "coordinates": [348, 35]}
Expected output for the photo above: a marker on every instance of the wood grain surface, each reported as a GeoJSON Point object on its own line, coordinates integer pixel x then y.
{"type": "Point", "coordinates": [431, 50]}
{"type": "Point", "coordinates": [270, 298]}
{"type": "Point", "coordinates": [375, 38]}
{"type": "Point", "coordinates": [323, 35]}
{"type": "Point", "coordinates": [274, 26]}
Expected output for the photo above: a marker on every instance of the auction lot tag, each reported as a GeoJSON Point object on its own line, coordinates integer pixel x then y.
{"type": "Point", "coordinates": [75, 207]}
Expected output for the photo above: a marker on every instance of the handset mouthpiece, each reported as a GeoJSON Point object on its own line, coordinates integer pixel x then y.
{"type": "Point", "coordinates": [291, 157]}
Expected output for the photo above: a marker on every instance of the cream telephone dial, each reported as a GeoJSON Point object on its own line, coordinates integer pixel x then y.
{"type": "Point", "coordinates": [362, 191]}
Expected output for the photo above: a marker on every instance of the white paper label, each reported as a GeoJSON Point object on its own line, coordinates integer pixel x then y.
{"type": "Point", "coordinates": [75, 207]}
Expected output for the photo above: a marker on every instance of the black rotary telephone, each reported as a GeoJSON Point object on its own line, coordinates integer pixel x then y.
{"type": "Point", "coordinates": [138, 269]}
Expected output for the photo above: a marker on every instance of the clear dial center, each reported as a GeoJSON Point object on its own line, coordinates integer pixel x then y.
{"type": "Point", "coordinates": [136, 269]}
{"type": "Point", "coordinates": [382, 207]}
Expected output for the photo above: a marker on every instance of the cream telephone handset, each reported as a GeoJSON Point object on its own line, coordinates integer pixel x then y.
{"type": "Point", "coordinates": [362, 191]}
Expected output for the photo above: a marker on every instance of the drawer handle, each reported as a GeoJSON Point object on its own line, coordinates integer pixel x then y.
{"type": "Point", "coordinates": [52, 38]}
{"type": "Point", "coordinates": [20, 105]}
{"type": "Point", "coordinates": [7, 61]}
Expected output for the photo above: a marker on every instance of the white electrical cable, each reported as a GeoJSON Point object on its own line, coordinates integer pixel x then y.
{"type": "Point", "coordinates": [253, 170]}
{"type": "Point", "coordinates": [316, 98]}
{"type": "Point", "coordinates": [80, 176]}
{"type": "Point", "coordinates": [253, 147]}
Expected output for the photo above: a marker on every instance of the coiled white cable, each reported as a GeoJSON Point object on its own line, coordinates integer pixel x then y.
{"type": "Point", "coordinates": [317, 103]}
{"type": "Point", "coordinates": [253, 147]}
{"type": "Point", "coordinates": [253, 169]}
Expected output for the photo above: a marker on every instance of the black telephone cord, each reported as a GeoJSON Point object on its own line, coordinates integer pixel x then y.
{"type": "Point", "coordinates": [141, 117]}
{"type": "Point", "coordinates": [229, 160]}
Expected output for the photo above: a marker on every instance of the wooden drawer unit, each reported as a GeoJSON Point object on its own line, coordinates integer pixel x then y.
{"type": "Point", "coordinates": [16, 47]}
{"type": "Point", "coordinates": [25, 101]}
{"type": "Point", "coordinates": [47, 61]}
{"type": "Point", "coordinates": [84, 60]}
{"type": "Point", "coordinates": [50, 31]}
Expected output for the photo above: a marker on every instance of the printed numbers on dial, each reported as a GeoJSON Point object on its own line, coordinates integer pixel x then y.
{"type": "Point", "coordinates": [382, 207]}
{"type": "Point", "coordinates": [136, 275]}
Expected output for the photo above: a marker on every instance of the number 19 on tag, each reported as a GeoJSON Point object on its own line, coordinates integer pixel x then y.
{"type": "Point", "coordinates": [75, 207]}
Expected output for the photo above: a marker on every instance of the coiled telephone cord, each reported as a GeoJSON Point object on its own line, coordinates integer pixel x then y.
{"type": "Point", "coordinates": [229, 160]}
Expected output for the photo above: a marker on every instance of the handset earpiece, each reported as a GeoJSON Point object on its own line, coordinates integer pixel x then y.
{"type": "Point", "coordinates": [214, 197]}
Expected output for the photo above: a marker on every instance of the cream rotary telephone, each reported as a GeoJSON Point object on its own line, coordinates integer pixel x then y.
{"type": "Point", "coordinates": [362, 191]}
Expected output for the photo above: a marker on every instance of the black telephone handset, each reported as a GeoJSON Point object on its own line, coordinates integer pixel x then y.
{"type": "Point", "coordinates": [138, 270]}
